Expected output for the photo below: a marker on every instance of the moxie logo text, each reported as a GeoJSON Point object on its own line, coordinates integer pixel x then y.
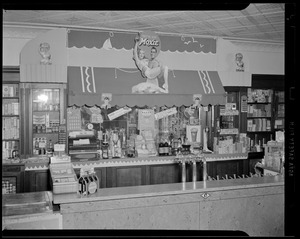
{"type": "Point", "coordinates": [147, 42]}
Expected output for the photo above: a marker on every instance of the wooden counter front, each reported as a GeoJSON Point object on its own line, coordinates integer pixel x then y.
{"type": "Point", "coordinates": [253, 205]}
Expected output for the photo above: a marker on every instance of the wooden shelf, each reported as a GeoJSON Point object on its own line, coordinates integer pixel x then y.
{"type": "Point", "coordinates": [10, 98]}
{"type": "Point", "coordinates": [10, 115]}
{"type": "Point", "coordinates": [254, 117]}
{"type": "Point", "coordinates": [43, 111]}
{"type": "Point", "coordinates": [259, 103]}
{"type": "Point", "coordinates": [10, 139]}
{"type": "Point", "coordinates": [269, 131]}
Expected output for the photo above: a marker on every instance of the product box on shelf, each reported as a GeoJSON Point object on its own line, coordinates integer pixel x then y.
{"type": "Point", "coordinates": [63, 177]}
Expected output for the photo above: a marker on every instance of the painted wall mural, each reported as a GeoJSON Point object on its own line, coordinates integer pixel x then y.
{"type": "Point", "coordinates": [114, 49]}
{"type": "Point", "coordinates": [109, 40]}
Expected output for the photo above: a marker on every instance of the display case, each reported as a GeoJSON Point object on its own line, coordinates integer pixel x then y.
{"type": "Point", "coordinates": [44, 124]}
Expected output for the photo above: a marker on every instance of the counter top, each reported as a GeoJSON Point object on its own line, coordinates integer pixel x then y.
{"type": "Point", "coordinates": [118, 162]}
{"type": "Point", "coordinates": [154, 160]}
{"type": "Point", "coordinates": [169, 189]}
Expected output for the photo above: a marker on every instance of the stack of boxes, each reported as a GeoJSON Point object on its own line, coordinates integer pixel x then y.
{"type": "Point", "coordinates": [231, 146]}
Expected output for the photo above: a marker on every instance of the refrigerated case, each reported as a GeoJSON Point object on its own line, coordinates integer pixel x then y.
{"type": "Point", "coordinates": [43, 121]}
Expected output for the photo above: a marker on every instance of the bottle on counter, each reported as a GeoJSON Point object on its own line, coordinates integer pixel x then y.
{"type": "Point", "coordinates": [36, 147]}
{"type": "Point", "coordinates": [82, 183]}
{"type": "Point", "coordinates": [105, 150]}
{"type": "Point", "coordinates": [50, 148]}
{"type": "Point", "coordinates": [161, 149]}
{"type": "Point", "coordinates": [166, 148]}
{"type": "Point", "coordinates": [93, 184]}
{"type": "Point", "coordinates": [170, 149]}
{"type": "Point", "coordinates": [179, 145]}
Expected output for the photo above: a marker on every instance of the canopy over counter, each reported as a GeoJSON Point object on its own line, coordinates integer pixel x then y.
{"type": "Point", "coordinates": [87, 84]}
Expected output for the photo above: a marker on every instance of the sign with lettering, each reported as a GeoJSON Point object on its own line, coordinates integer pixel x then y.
{"type": "Point", "coordinates": [165, 113]}
{"type": "Point", "coordinates": [149, 40]}
{"type": "Point", "coordinates": [118, 113]}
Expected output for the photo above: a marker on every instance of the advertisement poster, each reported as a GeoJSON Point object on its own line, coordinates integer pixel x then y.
{"type": "Point", "coordinates": [193, 134]}
{"type": "Point", "coordinates": [146, 119]}
{"type": "Point", "coordinates": [155, 75]}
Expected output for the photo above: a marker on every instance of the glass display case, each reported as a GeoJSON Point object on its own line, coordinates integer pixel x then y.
{"type": "Point", "coordinates": [44, 118]}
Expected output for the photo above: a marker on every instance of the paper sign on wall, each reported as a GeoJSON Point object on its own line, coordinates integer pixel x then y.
{"type": "Point", "coordinates": [118, 113]}
{"type": "Point", "coordinates": [146, 119]}
{"type": "Point", "coordinates": [165, 113]}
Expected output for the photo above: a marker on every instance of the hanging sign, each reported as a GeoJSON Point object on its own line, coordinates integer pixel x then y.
{"type": "Point", "coordinates": [118, 113]}
{"type": "Point", "coordinates": [165, 113]}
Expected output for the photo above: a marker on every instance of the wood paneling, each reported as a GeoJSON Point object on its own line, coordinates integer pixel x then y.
{"type": "Point", "coordinates": [37, 180]}
{"type": "Point", "coordinates": [128, 176]}
{"type": "Point", "coordinates": [168, 173]}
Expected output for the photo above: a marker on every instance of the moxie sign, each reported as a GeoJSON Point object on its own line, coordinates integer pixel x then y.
{"type": "Point", "coordinates": [148, 40]}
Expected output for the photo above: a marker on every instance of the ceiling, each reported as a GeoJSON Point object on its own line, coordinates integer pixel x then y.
{"type": "Point", "coordinates": [257, 22]}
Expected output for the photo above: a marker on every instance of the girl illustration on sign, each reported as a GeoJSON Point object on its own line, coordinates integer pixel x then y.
{"type": "Point", "coordinates": [150, 70]}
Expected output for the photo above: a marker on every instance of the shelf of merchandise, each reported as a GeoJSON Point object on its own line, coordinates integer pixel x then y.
{"type": "Point", "coordinates": [10, 119]}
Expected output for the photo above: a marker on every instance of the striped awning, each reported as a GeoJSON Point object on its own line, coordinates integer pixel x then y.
{"type": "Point", "coordinates": [86, 85]}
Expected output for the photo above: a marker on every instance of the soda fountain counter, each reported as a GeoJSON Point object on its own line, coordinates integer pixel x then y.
{"type": "Point", "coordinates": [253, 205]}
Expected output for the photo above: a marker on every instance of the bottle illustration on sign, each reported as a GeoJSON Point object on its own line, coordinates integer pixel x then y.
{"type": "Point", "coordinates": [151, 68]}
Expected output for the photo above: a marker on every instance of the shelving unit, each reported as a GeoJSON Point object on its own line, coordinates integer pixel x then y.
{"type": "Point", "coordinates": [265, 115]}
{"type": "Point", "coordinates": [10, 119]}
{"type": "Point", "coordinates": [279, 110]}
